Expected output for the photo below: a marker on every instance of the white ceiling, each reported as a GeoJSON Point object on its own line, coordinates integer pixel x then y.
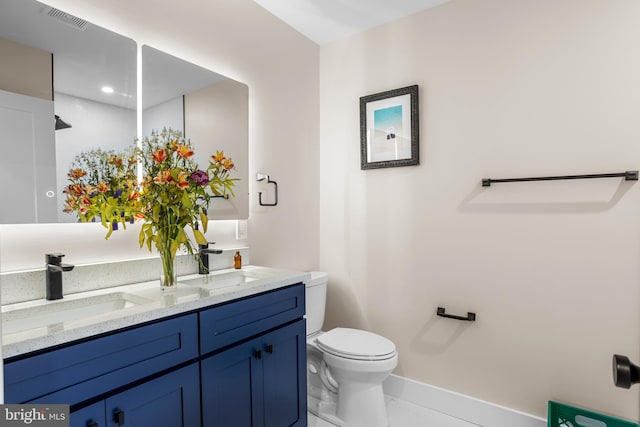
{"type": "Point", "coordinates": [324, 21]}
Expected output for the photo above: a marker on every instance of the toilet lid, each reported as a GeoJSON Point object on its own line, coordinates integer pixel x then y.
{"type": "Point", "coordinates": [356, 344]}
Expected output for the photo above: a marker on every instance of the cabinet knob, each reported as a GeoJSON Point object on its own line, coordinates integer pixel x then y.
{"type": "Point", "coordinates": [269, 348]}
{"type": "Point", "coordinates": [118, 417]}
{"type": "Point", "coordinates": [92, 424]}
{"type": "Point", "coordinates": [258, 354]}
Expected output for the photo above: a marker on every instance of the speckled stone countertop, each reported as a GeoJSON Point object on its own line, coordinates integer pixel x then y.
{"type": "Point", "coordinates": [132, 304]}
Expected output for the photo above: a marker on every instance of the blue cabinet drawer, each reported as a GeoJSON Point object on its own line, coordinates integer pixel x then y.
{"type": "Point", "coordinates": [227, 324]}
{"type": "Point", "coordinates": [73, 373]}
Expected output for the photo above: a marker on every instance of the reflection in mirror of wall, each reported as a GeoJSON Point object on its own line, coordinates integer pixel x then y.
{"type": "Point", "coordinates": [59, 65]}
{"type": "Point", "coordinates": [210, 109]}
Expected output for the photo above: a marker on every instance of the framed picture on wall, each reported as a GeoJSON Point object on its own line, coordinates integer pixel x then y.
{"type": "Point", "coordinates": [389, 129]}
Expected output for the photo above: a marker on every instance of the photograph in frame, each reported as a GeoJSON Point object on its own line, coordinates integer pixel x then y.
{"type": "Point", "coordinates": [389, 129]}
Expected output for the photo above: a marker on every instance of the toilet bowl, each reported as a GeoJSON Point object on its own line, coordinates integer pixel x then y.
{"type": "Point", "coordinates": [345, 367]}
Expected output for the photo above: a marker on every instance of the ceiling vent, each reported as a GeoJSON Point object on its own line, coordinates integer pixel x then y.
{"type": "Point", "coordinates": [72, 21]}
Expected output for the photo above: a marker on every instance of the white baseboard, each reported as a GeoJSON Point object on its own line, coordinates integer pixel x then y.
{"type": "Point", "coordinates": [467, 408]}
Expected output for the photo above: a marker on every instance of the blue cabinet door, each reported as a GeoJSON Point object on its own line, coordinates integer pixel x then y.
{"type": "Point", "coordinates": [285, 379]}
{"type": "Point", "coordinates": [260, 383]}
{"type": "Point", "coordinates": [232, 387]}
{"type": "Point", "coordinates": [91, 416]}
{"type": "Point", "coordinates": [172, 400]}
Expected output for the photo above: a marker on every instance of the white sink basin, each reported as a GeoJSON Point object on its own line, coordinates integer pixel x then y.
{"type": "Point", "coordinates": [223, 280]}
{"type": "Point", "coordinates": [49, 314]}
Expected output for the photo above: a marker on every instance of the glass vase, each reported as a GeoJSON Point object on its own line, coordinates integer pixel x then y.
{"type": "Point", "coordinates": [168, 277]}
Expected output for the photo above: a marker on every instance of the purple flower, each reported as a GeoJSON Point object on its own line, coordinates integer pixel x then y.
{"type": "Point", "coordinates": [117, 193]}
{"type": "Point", "coordinates": [200, 177]}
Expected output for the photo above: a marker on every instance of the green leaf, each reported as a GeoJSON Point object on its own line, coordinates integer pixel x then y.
{"type": "Point", "coordinates": [174, 248]}
{"type": "Point", "coordinates": [108, 233]}
{"type": "Point", "coordinates": [200, 239]}
{"type": "Point", "coordinates": [204, 219]}
{"type": "Point", "coordinates": [181, 237]}
{"type": "Point", "coordinates": [186, 202]}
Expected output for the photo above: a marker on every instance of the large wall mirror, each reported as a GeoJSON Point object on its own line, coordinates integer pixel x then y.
{"type": "Point", "coordinates": [53, 106]}
{"type": "Point", "coordinates": [210, 109]}
{"type": "Point", "coordinates": [90, 103]}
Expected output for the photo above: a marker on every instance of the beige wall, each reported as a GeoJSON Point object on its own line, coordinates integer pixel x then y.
{"type": "Point", "coordinates": [507, 88]}
{"type": "Point", "coordinates": [26, 70]}
{"type": "Point", "coordinates": [241, 40]}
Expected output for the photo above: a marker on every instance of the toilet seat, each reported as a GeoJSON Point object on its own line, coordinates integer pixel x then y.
{"type": "Point", "coordinates": [356, 344]}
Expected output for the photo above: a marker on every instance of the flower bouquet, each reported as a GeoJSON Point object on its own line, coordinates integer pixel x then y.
{"type": "Point", "coordinates": [173, 195]}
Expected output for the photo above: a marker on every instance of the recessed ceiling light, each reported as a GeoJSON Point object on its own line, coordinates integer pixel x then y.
{"type": "Point", "coordinates": [107, 89]}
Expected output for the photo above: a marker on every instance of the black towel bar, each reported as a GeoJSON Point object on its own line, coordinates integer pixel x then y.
{"type": "Point", "coordinates": [471, 317]}
{"type": "Point", "coordinates": [628, 176]}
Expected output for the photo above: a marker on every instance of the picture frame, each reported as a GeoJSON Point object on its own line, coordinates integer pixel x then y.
{"type": "Point", "coordinates": [389, 135]}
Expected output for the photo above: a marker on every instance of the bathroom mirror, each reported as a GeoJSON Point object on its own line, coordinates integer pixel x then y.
{"type": "Point", "coordinates": [74, 60]}
{"type": "Point", "coordinates": [210, 109]}
{"type": "Point", "coordinates": [50, 117]}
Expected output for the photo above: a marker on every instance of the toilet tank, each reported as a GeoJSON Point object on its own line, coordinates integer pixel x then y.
{"type": "Point", "coordinates": [316, 297]}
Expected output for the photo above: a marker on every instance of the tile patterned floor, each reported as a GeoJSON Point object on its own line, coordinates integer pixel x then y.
{"type": "Point", "coordinates": [405, 414]}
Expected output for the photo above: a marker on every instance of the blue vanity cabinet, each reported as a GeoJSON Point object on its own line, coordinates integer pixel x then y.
{"type": "Point", "coordinates": [258, 383]}
{"type": "Point", "coordinates": [172, 400]}
{"type": "Point", "coordinates": [241, 363]}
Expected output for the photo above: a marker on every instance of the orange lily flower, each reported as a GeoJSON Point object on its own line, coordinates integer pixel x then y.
{"type": "Point", "coordinates": [76, 173]}
{"type": "Point", "coordinates": [228, 164]}
{"type": "Point", "coordinates": [76, 189]}
{"type": "Point", "coordinates": [182, 181]}
{"type": "Point", "coordinates": [184, 151]}
{"type": "Point", "coordinates": [116, 161]}
{"type": "Point", "coordinates": [134, 195]}
{"type": "Point", "coordinates": [103, 187]}
{"type": "Point", "coordinates": [160, 156]}
{"type": "Point", "coordinates": [70, 205]}
{"type": "Point", "coordinates": [164, 177]}
{"type": "Point", "coordinates": [218, 157]}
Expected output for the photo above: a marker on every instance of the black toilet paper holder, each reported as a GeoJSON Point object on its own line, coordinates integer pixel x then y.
{"type": "Point", "coordinates": [470, 317]}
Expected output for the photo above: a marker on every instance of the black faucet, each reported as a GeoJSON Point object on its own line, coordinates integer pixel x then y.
{"type": "Point", "coordinates": [204, 251]}
{"type": "Point", "coordinates": [54, 269]}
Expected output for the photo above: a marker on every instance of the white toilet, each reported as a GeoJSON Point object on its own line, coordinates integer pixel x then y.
{"type": "Point", "coordinates": [345, 367]}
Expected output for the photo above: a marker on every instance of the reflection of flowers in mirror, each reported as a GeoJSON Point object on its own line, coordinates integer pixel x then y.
{"type": "Point", "coordinates": [103, 186]}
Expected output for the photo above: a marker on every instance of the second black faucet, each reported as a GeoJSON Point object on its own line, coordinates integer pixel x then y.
{"type": "Point", "coordinates": [204, 251]}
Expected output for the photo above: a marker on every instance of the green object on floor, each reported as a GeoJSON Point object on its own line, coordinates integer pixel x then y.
{"type": "Point", "coordinates": [561, 415]}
